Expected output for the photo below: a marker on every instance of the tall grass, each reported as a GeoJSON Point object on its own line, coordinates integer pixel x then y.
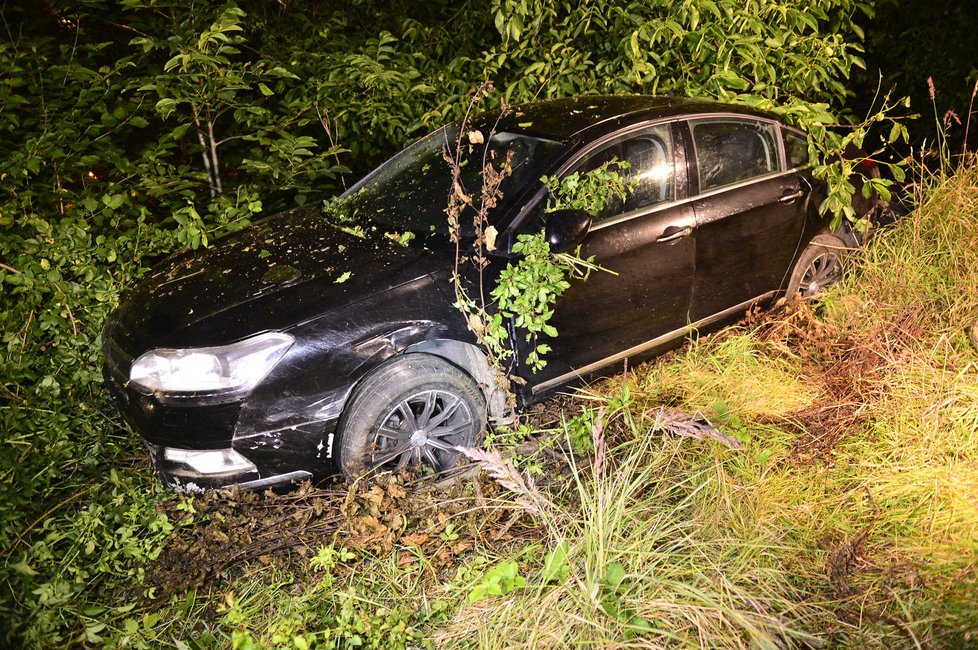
{"type": "Point", "coordinates": [849, 519]}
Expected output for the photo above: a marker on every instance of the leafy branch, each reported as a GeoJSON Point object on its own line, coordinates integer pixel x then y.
{"type": "Point", "coordinates": [526, 291]}
{"type": "Point", "coordinates": [590, 191]}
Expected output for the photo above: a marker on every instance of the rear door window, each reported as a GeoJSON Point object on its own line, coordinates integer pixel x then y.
{"type": "Point", "coordinates": [733, 150]}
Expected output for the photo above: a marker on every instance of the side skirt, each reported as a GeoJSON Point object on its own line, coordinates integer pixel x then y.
{"type": "Point", "coordinates": [579, 373]}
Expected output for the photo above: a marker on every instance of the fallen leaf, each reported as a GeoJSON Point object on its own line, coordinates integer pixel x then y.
{"type": "Point", "coordinates": [406, 559]}
{"type": "Point", "coordinates": [462, 546]}
{"type": "Point", "coordinates": [396, 491]}
{"type": "Point", "coordinates": [415, 539]}
{"type": "Point", "coordinates": [368, 522]}
{"type": "Point", "coordinates": [376, 495]}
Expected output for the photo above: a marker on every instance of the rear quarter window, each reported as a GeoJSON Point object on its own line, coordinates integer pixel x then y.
{"type": "Point", "coordinates": [795, 149]}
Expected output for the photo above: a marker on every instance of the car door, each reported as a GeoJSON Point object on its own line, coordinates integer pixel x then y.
{"type": "Point", "coordinates": [750, 212]}
{"type": "Point", "coordinates": [646, 240]}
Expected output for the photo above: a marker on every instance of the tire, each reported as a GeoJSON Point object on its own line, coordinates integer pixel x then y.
{"type": "Point", "coordinates": [818, 267]}
{"type": "Point", "coordinates": [444, 403]}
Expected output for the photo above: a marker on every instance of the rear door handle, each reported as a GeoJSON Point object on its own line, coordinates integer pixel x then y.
{"type": "Point", "coordinates": [672, 233]}
{"type": "Point", "coordinates": [788, 198]}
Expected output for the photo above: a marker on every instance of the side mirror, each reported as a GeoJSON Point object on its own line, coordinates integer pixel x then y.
{"type": "Point", "coordinates": [565, 229]}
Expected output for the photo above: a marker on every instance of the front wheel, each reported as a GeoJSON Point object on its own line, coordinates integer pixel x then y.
{"type": "Point", "coordinates": [818, 267]}
{"type": "Point", "coordinates": [411, 413]}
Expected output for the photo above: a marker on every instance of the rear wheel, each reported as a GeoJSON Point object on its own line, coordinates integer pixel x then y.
{"type": "Point", "coordinates": [411, 413]}
{"type": "Point", "coordinates": [818, 267]}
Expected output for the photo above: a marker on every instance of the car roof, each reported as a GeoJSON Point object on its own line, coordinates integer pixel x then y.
{"type": "Point", "coordinates": [563, 119]}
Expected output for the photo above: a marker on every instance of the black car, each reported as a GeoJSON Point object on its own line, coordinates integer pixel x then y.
{"type": "Point", "coordinates": [306, 345]}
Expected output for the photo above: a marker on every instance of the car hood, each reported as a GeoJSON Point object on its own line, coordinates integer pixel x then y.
{"type": "Point", "coordinates": [278, 272]}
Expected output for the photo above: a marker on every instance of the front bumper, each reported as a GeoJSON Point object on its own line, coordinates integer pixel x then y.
{"type": "Point", "coordinates": [254, 441]}
{"type": "Point", "coordinates": [192, 471]}
{"type": "Point", "coordinates": [198, 447]}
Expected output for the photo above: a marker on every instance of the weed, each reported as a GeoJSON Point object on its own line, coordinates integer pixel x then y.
{"type": "Point", "coordinates": [500, 580]}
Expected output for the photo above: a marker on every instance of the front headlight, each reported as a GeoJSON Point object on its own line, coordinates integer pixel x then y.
{"type": "Point", "coordinates": [221, 369]}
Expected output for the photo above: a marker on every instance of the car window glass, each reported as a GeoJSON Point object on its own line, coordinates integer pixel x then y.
{"type": "Point", "coordinates": [650, 167]}
{"type": "Point", "coordinates": [409, 192]}
{"type": "Point", "coordinates": [732, 151]}
{"type": "Point", "coordinates": [795, 149]}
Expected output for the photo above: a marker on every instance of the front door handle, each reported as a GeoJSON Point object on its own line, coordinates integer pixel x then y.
{"type": "Point", "coordinates": [672, 233]}
{"type": "Point", "coordinates": [788, 198]}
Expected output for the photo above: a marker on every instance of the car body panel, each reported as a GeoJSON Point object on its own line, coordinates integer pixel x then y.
{"type": "Point", "coordinates": [648, 294]}
{"type": "Point", "coordinates": [740, 242]}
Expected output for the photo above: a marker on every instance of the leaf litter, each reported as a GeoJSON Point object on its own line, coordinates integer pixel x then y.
{"type": "Point", "coordinates": [848, 364]}
{"type": "Point", "coordinates": [383, 515]}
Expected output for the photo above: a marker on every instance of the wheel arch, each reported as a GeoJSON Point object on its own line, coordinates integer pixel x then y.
{"type": "Point", "coordinates": [824, 242]}
{"type": "Point", "coordinates": [474, 362]}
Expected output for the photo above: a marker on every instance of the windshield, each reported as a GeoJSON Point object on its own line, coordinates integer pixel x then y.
{"type": "Point", "coordinates": [409, 193]}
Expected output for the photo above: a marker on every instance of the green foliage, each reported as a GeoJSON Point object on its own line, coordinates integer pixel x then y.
{"type": "Point", "coordinates": [322, 620]}
{"type": "Point", "coordinates": [556, 568]}
{"type": "Point", "coordinates": [578, 431]}
{"type": "Point", "coordinates": [328, 557]}
{"type": "Point", "coordinates": [612, 587]}
{"type": "Point", "coordinates": [590, 191]}
{"type": "Point", "coordinates": [102, 537]}
{"type": "Point", "coordinates": [682, 544]}
{"type": "Point", "coordinates": [840, 168]}
{"type": "Point", "coordinates": [211, 89]}
{"type": "Point", "coordinates": [720, 48]}
{"type": "Point", "coordinates": [527, 291]}
{"type": "Point", "coordinates": [500, 580]}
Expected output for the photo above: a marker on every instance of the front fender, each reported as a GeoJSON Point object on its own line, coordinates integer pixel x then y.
{"type": "Point", "coordinates": [292, 414]}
